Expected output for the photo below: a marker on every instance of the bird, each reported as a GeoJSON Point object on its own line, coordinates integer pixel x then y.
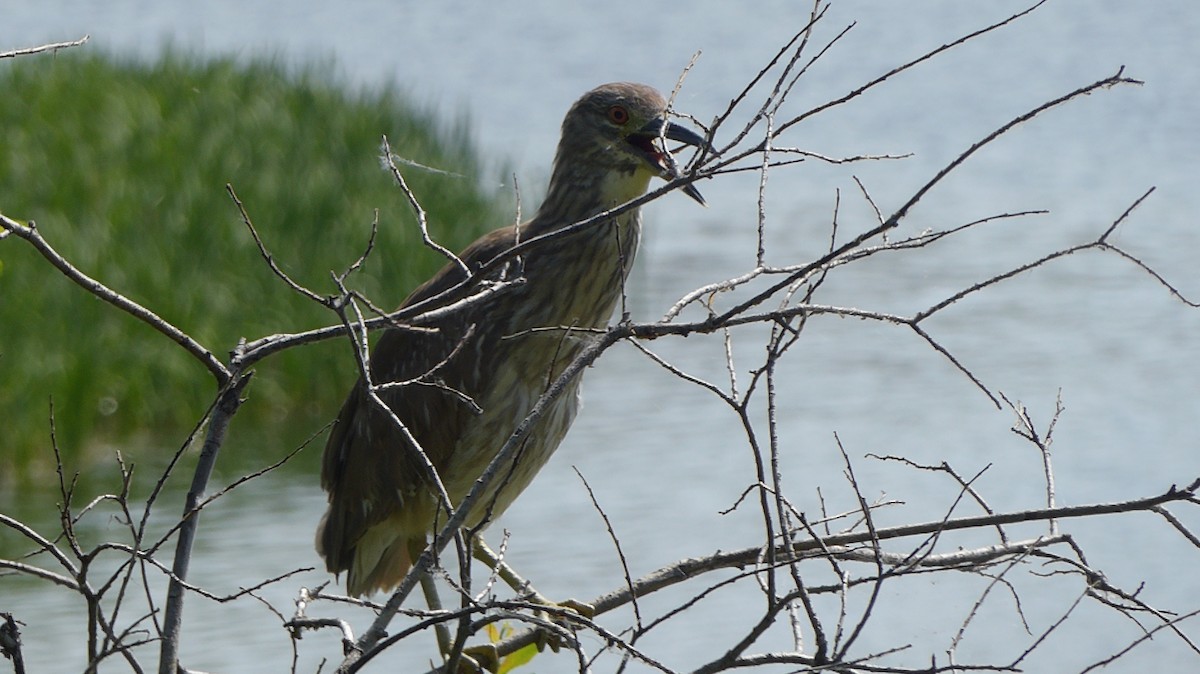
{"type": "Point", "coordinates": [467, 379]}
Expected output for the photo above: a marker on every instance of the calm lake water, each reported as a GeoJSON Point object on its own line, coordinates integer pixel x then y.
{"type": "Point", "coordinates": [663, 457]}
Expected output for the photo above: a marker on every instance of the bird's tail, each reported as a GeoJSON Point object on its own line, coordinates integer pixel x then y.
{"type": "Point", "coordinates": [376, 562]}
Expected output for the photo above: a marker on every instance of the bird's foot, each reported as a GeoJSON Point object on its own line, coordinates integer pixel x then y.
{"type": "Point", "coordinates": [557, 614]}
{"type": "Point", "coordinates": [560, 614]}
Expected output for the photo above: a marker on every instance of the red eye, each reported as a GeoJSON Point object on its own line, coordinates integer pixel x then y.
{"type": "Point", "coordinates": [618, 115]}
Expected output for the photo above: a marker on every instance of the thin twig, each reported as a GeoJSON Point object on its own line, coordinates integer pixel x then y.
{"type": "Point", "coordinates": [52, 47]}
{"type": "Point", "coordinates": [31, 234]}
{"type": "Point", "coordinates": [422, 218]}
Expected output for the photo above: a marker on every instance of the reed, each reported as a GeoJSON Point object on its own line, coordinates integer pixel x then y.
{"type": "Point", "coordinates": [123, 165]}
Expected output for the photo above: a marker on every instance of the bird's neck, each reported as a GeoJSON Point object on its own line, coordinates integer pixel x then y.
{"type": "Point", "coordinates": [579, 191]}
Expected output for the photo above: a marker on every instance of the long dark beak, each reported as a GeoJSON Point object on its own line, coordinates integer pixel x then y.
{"type": "Point", "coordinates": [661, 157]}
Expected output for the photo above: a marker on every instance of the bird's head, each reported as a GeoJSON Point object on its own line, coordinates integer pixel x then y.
{"type": "Point", "coordinates": [620, 128]}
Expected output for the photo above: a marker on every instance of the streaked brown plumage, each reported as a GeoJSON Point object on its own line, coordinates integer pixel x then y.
{"type": "Point", "coordinates": [380, 509]}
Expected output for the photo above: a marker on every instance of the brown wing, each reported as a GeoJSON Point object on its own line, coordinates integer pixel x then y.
{"type": "Point", "coordinates": [369, 472]}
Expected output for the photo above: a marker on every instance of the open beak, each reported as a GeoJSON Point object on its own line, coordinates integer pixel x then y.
{"type": "Point", "coordinates": [646, 140]}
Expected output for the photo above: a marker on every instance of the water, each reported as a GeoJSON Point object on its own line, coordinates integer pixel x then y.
{"type": "Point", "coordinates": [663, 457]}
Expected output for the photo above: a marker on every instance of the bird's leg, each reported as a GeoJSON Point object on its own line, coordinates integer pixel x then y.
{"type": "Point", "coordinates": [521, 586]}
{"type": "Point", "coordinates": [474, 659]}
{"type": "Point", "coordinates": [525, 590]}
{"type": "Point", "coordinates": [434, 602]}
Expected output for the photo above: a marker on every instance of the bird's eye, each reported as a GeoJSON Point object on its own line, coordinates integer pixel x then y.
{"type": "Point", "coordinates": [618, 115]}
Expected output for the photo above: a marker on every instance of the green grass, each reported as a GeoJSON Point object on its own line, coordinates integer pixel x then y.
{"type": "Point", "coordinates": [123, 165]}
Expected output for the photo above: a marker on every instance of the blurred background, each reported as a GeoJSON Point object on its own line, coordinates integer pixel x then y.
{"type": "Point", "coordinates": [494, 81]}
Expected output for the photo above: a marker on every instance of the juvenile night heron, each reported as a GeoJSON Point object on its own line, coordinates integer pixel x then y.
{"type": "Point", "coordinates": [470, 382]}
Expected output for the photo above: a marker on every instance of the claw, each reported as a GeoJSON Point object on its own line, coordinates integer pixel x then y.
{"type": "Point", "coordinates": [585, 610]}
{"type": "Point", "coordinates": [546, 637]}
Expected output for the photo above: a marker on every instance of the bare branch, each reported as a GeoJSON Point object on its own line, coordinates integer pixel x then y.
{"type": "Point", "coordinates": [422, 220]}
{"type": "Point", "coordinates": [266, 254]}
{"type": "Point", "coordinates": [52, 47]}
{"type": "Point", "coordinates": [31, 234]}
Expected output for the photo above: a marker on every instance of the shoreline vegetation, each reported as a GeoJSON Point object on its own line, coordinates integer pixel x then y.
{"type": "Point", "coordinates": [123, 164]}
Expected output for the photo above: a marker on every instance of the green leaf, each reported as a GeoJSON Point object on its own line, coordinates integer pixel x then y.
{"type": "Point", "coordinates": [518, 658]}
